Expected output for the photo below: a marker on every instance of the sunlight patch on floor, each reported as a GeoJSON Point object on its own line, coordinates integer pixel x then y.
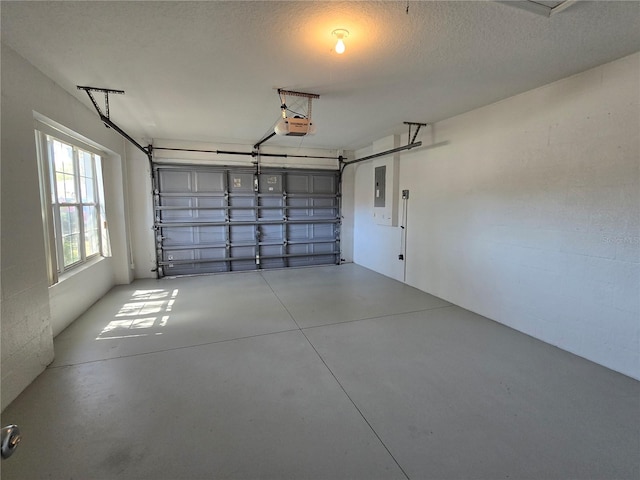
{"type": "Point", "coordinates": [146, 310]}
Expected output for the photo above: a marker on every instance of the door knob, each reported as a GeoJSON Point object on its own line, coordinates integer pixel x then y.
{"type": "Point", "coordinates": [10, 439]}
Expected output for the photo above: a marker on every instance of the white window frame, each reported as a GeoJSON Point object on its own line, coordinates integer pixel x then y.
{"type": "Point", "coordinates": [45, 134]}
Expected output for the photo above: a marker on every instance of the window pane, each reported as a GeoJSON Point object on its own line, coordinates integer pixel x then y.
{"type": "Point", "coordinates": [85, 163]}
{"type": "Point", "coordinates": [91, 243]}
{"type": "Point", "coordinates": [69, 220]}
{"type": "Point", "coordinates": [66, 186]}
{"type": "Point", "coordinates": [88, 192]}
{"type": "Point", "coordinates": [65, 221]}
{"type": "Point", "coordinates": [71, 245]}
{"type": "Point", "coordinates": [63, 156]}
{"type": "Point", "coordinates": [64, 173]}
{"type": "Point", "coordinates": [91, 231]}
{"type": "Point", "coordinates": [70, 226]}
{"type": "Point", "coordinates": [86, 177]}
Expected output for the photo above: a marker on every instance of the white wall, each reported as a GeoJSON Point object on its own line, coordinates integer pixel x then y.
{"type": "Point", "coordinates": [31, 311]}
{"type": "Point", "coordinates": [375, 246]}
{"type": "Point", "coordinates": [67, 300]}
{"type": "Point", "coordinates": [141, 213]}
{"type": "Point", "coordinates": [528, 212]}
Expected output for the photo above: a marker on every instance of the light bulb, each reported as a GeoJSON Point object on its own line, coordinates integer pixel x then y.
{"type": "Point", "coordinates": [341, 34]}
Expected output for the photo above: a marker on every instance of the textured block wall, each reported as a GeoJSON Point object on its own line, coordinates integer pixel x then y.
{"type": "Point", "coordinates": [31, 311]}
{"type": "Point", "coordinates": [528, 212]}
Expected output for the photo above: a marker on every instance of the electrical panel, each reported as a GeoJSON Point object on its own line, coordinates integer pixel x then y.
{"type": "Point", "coordinates": [380, 178]}
{"type": "Point", "coordinates": [386, 190]}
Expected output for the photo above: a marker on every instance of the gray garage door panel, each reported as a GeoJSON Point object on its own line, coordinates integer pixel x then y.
{"type": "Point", "coordinates": [213, 219]}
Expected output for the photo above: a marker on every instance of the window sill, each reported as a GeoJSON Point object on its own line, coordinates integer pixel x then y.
{"type": "Point", "coordinates": [77, 270]}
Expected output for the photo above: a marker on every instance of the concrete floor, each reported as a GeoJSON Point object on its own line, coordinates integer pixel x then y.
{"type": "Point", "coordinates": [329, 373]}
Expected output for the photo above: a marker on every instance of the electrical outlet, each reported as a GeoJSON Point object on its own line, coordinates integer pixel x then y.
{"type": "Point", "coordinates": [405, 194]}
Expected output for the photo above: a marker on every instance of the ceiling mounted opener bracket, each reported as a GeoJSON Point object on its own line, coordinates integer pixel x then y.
{"type": "Point", "coordinates": [105, 116]}
{"type": "Point", "coordinates": [411, 143]}
{"type": "Point", "coordinates": [106, 92]}
{"type": "Point", "coordinates": [410, 140]}
{"type": "Point", "coordinates": [282, 91]}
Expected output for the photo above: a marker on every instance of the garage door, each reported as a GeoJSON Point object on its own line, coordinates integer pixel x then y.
{"type": "Point", "coordinates": [213, 219]}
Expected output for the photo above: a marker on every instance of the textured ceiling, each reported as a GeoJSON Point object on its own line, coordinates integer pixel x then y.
{"type": "Point", "coordinates": [207, 71]}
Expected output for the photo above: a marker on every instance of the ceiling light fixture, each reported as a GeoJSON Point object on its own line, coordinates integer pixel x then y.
{"type": "Point", "coordinates": [341, 34]}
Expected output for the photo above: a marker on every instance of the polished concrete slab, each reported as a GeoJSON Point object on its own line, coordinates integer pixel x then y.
{"type": "Point", "coordinates": [260, 407]}
{"type": "Point", "coordinates": [328, 373]}
{"type": "Point", "coordinates": [154, 315]}
{"type": "Point", "coordinates": [454, 395]}
{"type": "Point", "coordinates": [354, 293]}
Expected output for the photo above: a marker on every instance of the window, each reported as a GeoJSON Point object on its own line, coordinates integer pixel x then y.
{"type": "Point", "coordinates": [73, 212]}
{"type": "Point", "coordinates": [75, 205]}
